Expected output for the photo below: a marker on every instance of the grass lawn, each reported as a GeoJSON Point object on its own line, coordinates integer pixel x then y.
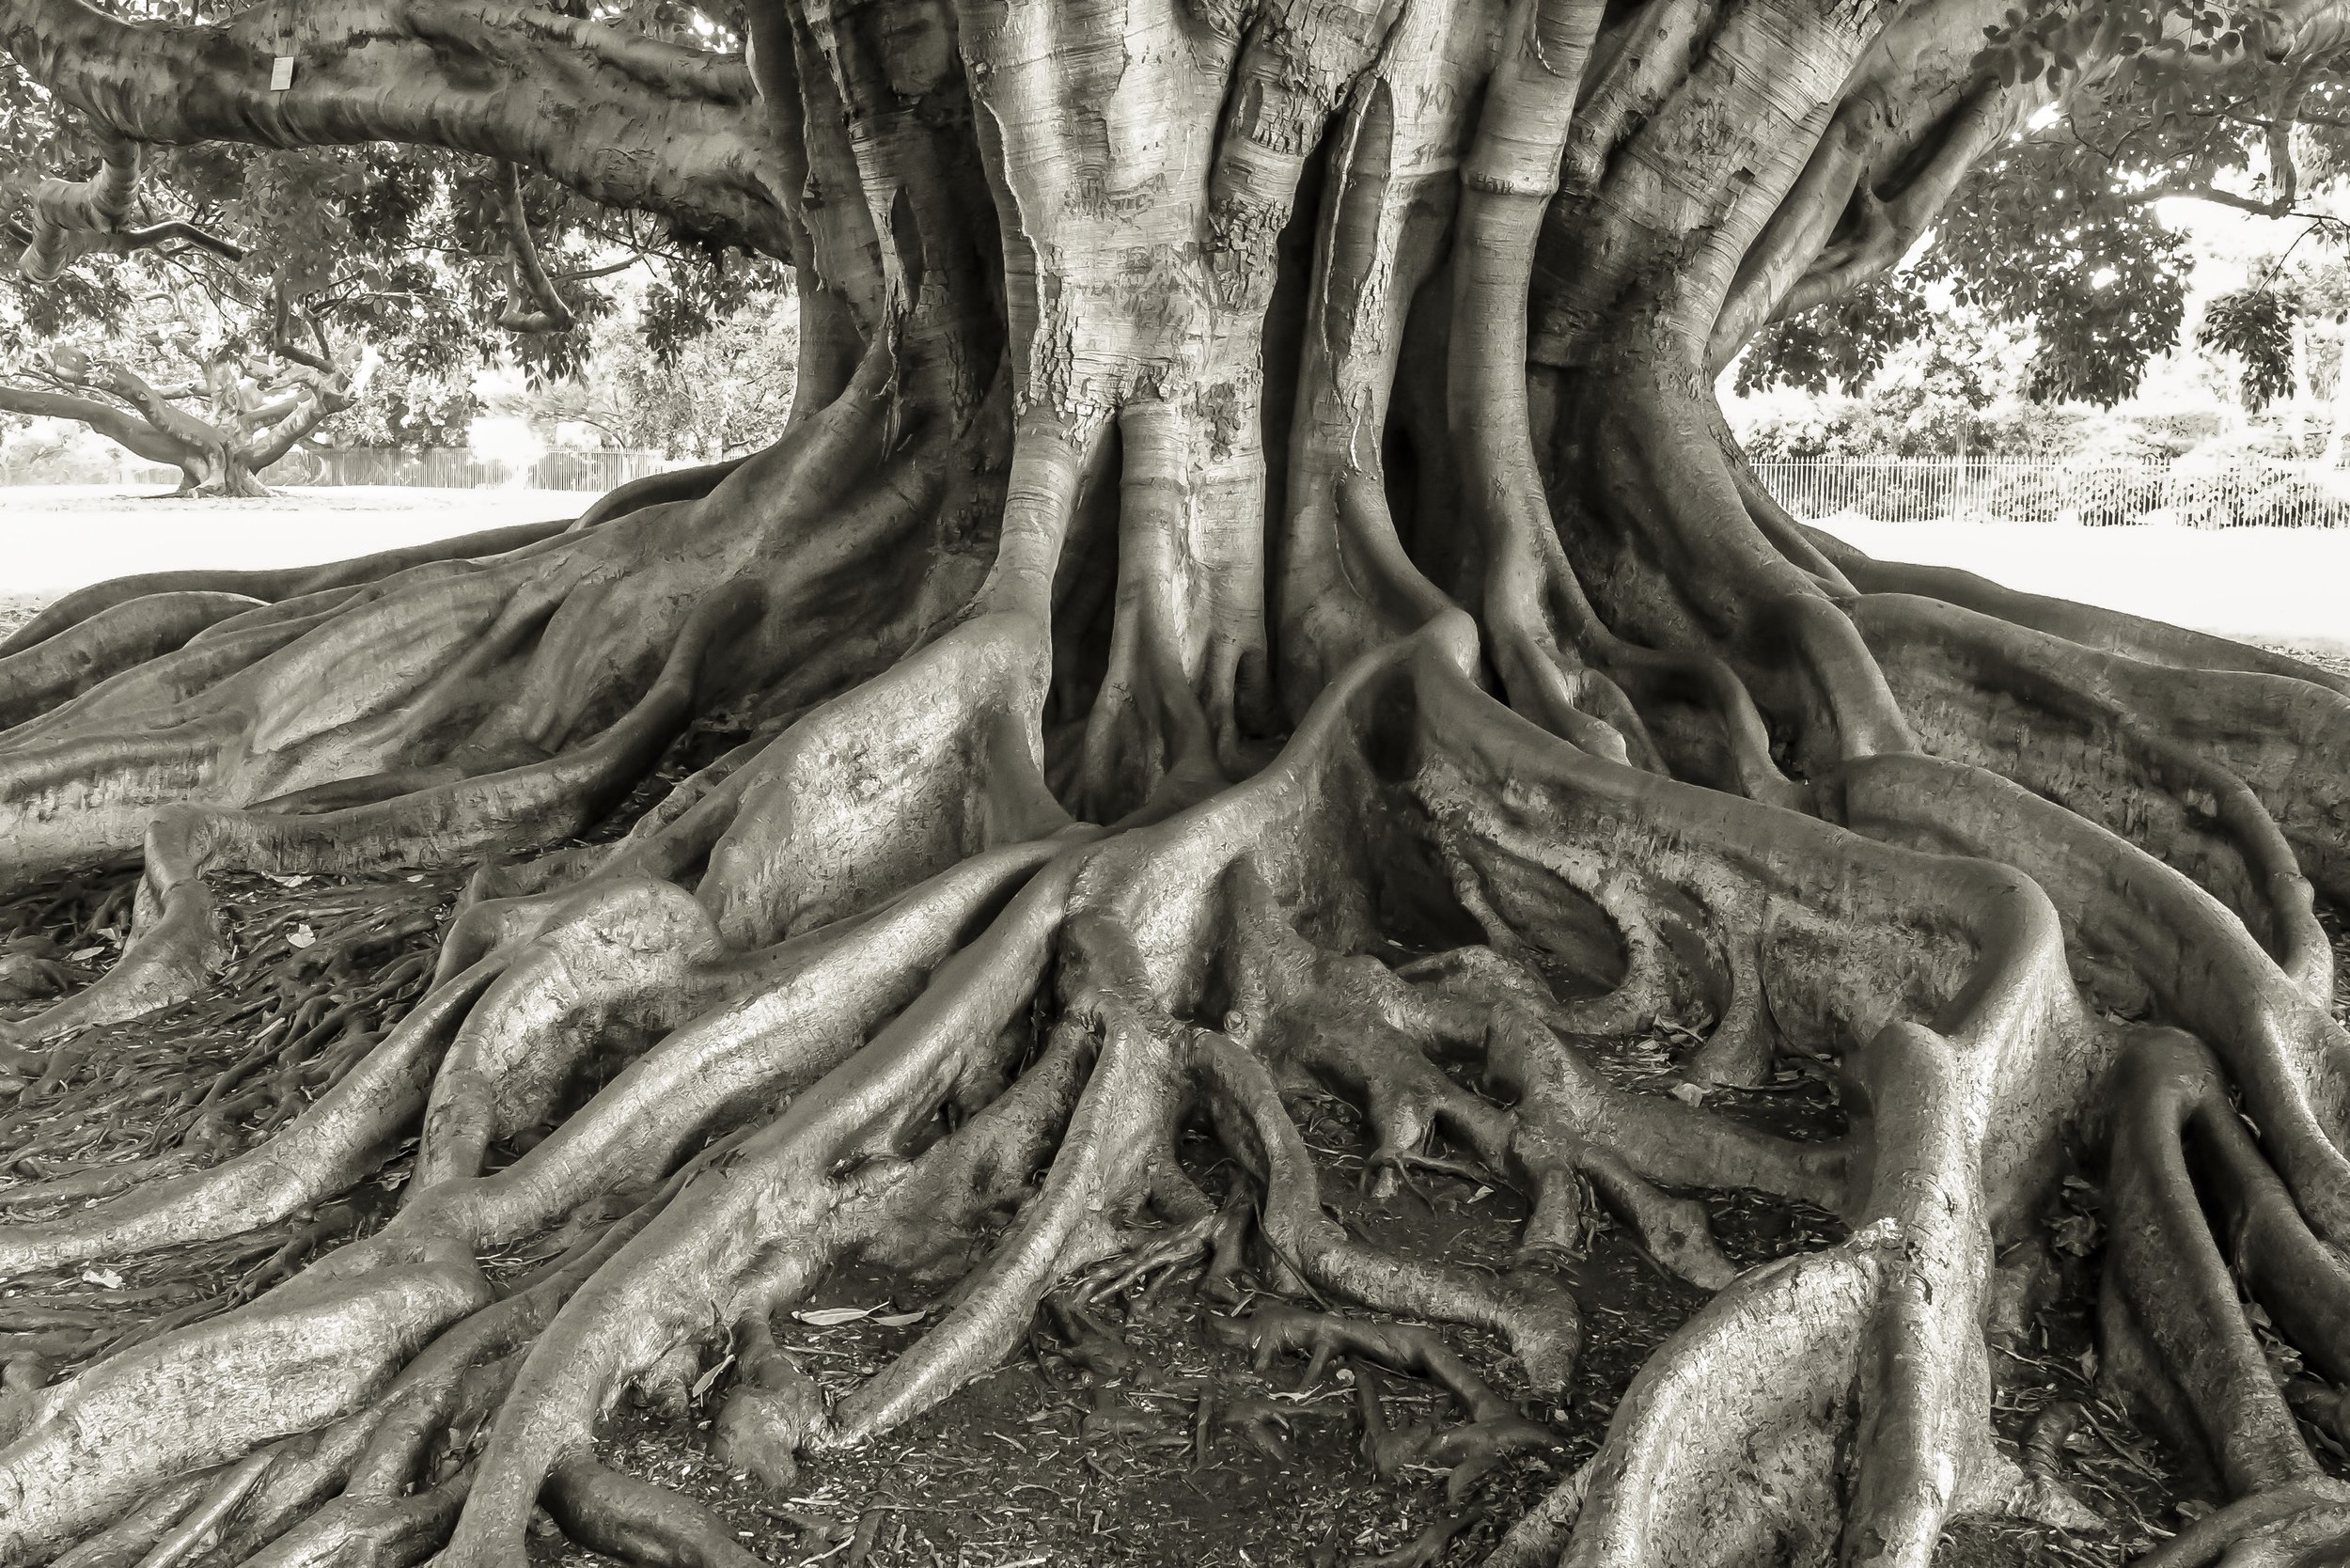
{"type": "Point", "coordinates": [57, 538]}
{"type": "Point", "coordinates": [2285, 588]}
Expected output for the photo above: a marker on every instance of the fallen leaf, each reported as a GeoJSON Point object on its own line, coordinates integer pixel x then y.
{"type": "Point", "coordinates": [296, 880]}
{"type": "Point", "coordinates": [105, 1279]}
{"type": "Point", "coordinates": [2076, 1234]}
{"type": "Point", "coordinates": [898, 1320]}
{"type": "Point", "coordinates": [1688, 1094]}
{"type": "Point", "coordinates": [300, 936]}
{"type": "Point", "coordinates": [702, 1383]}
{"type": "Point", "coordinates": [1480, 1195]}
{"type": "Point", "coordinates": [832, 1317]}
{"type": "Point", "coordinates": [83, 955]}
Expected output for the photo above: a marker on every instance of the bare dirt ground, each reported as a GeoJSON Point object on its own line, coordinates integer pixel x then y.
{"type": "Point", "coordinates": [1134, 1428]}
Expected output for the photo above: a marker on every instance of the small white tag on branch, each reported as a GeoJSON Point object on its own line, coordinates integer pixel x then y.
{"type": "Point", "coordinates": [281, 73]}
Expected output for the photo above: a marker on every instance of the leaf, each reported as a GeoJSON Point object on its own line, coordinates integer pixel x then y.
{"type": "Point", "coordinates": [1688, 1094]}
{"type": "Point", "coordinates": [296, 880]}
{"type": "Point", "coordinates": [2076, 1234]}
{"type": "Point", "coordinates": [83, 955]}
{"type": "Point", "coordinates": [300, 936]}
{"type": "Point", "coordinates": [1480, 1195]}
{"type": "Point", "coordinates": [702, 1383]}
{"type": "Point", "coordinates": [898, 1320]}
{"type": "Point", "coordinates": [832, 1317]}
{"type": "Point", "coordinates": [105, 1279]}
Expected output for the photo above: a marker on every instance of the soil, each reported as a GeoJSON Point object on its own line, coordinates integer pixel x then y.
{"type": "Point", "coordinates": [1051, 1460]}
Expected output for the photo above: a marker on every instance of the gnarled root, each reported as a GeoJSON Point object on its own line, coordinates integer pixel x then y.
{"type": "Point", "coordinates": [1495, 1430]}
{"type": "Point", "coordinates": [862, 994]}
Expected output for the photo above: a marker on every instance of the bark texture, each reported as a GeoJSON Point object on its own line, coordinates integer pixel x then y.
{"type": "Point", "coordinates": [1254, 596]}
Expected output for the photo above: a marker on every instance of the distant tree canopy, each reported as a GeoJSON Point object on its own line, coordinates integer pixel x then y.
{"type": "Point", "coordinates": [716, 394]}
{"type": "Point", "coordinates": [2055, 231]}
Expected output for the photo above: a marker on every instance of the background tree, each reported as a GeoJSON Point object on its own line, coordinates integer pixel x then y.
{"type": "Point", "coordinates": [664, 381]}
{"type": "Point", "coordinates": [229, 414]}
{"type": "Point", "coordinates": [1254, 594]}
{"type": "Point", "coordinates": [2255, 325]}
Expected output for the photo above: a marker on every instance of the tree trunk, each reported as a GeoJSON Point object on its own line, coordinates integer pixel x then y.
{"type": "Point", "coordinates": [234, 479]}
{"type": "Point", "coordinates": [1255, 595]}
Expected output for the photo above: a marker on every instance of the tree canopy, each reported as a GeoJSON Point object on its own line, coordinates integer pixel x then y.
{"type": "Point", "coordinates": [425, 262]}
{"type": "Point", "coordinates": [2055, 231]}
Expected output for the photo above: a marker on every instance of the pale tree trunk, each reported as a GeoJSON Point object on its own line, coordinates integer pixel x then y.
{"type": "Point", "coordinates": [1254, 498]}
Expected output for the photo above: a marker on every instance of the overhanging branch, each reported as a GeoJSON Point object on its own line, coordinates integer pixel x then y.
{"type": "Point", "coordinates": [117, 425]}
{"type": "Point", "coordinates": [69, 219]}
{"type": "Point", "coordinates": [532, 305]}
{"type": "Point", "coordinates": [622, 119]}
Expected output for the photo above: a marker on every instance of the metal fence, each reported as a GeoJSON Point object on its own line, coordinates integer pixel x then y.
{"type": "Point", "coordinates": [445, 469]}
{"type": "Point", "coordinates": [2243, 492]}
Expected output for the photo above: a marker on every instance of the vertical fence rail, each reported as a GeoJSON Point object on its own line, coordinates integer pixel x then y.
{"type": "Point", "coordinates": [2262, 492]}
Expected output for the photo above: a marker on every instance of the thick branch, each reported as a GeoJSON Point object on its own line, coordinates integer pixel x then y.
{"type": "Point", "coordinates": [283, 422]}
{"type": "Point", "coordinates": [623, 120]}
{"type": "Point", "coordinates": [66, 212]}
{"type": "Point", "coordinates": [117, 425]}
{"type": "Point", "coordinates": [532, 304]}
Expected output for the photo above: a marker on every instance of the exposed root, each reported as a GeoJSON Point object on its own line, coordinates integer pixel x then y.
{"type": "Point", "coordinates": [1495, 1429]}
{"type": "Point", "coordinates": [639, 1523]}
{"type": "Point", "coordinates": [993, 957]}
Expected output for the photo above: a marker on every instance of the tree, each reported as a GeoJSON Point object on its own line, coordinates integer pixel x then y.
{"type": "Point", "coordinates": [2254, 323]}
{"type": "Point", "coordinates": [716, 392]}
{"type": "Point", "coordinates": [253, 414]}
{"type": "Point", "coordinates": [1254, 594]}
